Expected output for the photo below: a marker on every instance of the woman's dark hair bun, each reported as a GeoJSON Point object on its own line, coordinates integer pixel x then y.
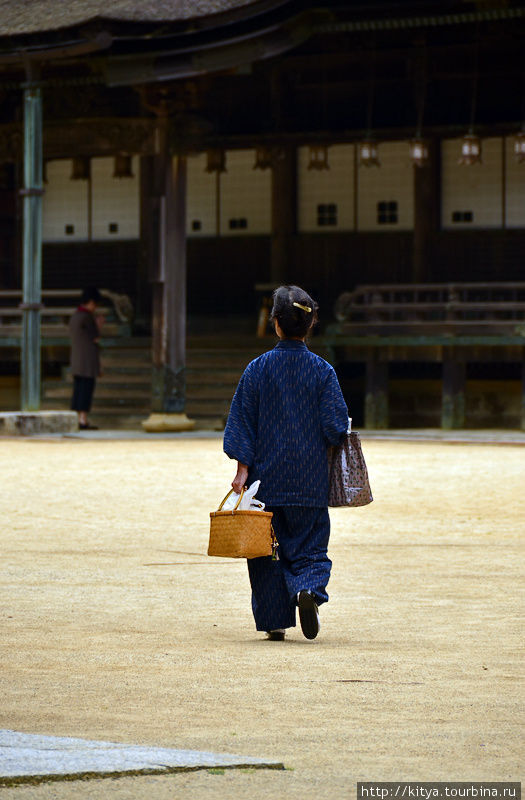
{"type": "Point", "coordinates": [294, 310]}
{"type": "Point", "coordinates": [90, 293]}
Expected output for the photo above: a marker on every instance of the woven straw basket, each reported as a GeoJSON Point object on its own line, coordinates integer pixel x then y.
{"type": "Point", "coordinates": [241, 534]}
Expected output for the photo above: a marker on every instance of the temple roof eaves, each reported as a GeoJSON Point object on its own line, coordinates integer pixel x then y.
{"type": "Point", "coordinates": [27, 17]}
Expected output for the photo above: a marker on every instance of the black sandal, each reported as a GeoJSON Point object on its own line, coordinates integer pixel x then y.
{"type": "Point", "coordinates": [276, 635]}
{"type": "Point", "coordinates": [308, 614]}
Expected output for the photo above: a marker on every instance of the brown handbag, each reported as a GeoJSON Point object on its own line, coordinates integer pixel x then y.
{"type": "Point", "coordinates": [348, 475]}
{"type": "Point", "coordinates": [240, 533]}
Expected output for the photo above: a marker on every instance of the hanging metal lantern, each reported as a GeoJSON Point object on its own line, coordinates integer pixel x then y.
{"type": "Point", "coordinates": [470, 150]}
{"type": "Point", "coordinates": [318, 157]}
{"type": "Point", "coordinates": [80, 169]}
{"type": "Point", "coordinates": [263, 158]}
{"type": "Point", "coordinates": [122, 166]}
{"type": "Point", "coordinates": [419, 152]}
{"type": "Point", "coordinates": [519, 147]}
{"type": "Point", "coordinates": [216, 161]}
{"type": "Point", "coordinates": [367, 154]}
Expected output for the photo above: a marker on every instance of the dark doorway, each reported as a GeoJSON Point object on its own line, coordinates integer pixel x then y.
{"type": "Point", "coordinates": [9, 269]}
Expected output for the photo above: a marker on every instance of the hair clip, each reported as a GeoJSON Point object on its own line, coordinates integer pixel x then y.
{"type": "Point", "coordinates": [305, 308]}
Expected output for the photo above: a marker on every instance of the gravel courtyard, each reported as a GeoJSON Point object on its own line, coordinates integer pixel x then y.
{"type": "Point", "coordinates": [116, 626]}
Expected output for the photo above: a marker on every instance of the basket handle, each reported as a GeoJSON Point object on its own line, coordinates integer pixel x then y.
{"type": "Point", "coordinates": [238, 501]}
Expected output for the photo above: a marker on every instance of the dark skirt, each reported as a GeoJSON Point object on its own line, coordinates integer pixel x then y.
{"type": "Point", "coordinates": [83, 389]}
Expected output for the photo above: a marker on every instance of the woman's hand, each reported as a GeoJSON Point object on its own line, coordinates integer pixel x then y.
{"type": "Point", "coordinates": [239, 482]}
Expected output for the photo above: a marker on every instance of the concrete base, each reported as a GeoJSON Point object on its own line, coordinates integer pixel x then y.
{"type": "Point", "coordinates": [30, 423]}
{"type": "Point", "coordinates": [28, 758]}
{"type": "Point", "coordinates": [159, 423]}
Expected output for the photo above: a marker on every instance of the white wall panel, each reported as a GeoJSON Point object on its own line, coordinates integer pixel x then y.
{"type": "Point", "coordinates": [391, 183]}
{"type": "Point", "coordinates": [65, 204]}
{"type": "Point", "coordinates": [475, 188]}
{"type": "Point", "coordinates": [325, 188]}
{"type": "Point", "coordinates": [245, 196]}
{"type": "Point", "coordinates": [201, 217]}
{"type": "Point", "coordinates": [115, 201]}
{"type": "Point", "coordinates": [515, 185]}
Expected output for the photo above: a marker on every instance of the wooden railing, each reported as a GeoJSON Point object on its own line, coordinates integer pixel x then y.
{"type": "Point", "coordinates": [432, 308]}
{"type": "Point", "coordinates": [447, 323]}
{"type": "Point", "coordinates": [58, 305]}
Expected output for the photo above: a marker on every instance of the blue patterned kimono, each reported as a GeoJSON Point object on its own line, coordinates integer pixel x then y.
{"type": "Point", "coordinates": [288, 408]}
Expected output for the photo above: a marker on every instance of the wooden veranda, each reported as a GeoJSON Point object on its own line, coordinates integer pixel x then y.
{"type": "Point", "coordinates": [279, 78]}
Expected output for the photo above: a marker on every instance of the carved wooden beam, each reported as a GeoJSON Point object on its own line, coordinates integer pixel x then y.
{"type": "Point", "coordinates": [99, 137]}
{"type": "Point", "coordinates": [84, 137]}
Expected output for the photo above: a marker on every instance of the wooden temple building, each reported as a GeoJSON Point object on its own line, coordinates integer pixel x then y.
{"type": "Point", "coordinates": [187, 156]}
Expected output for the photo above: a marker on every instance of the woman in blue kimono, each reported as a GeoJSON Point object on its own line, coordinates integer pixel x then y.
{"type": "Point", "coordinates": [287, 409]}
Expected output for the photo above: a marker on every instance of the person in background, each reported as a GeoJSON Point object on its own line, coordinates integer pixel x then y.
{"type": "Point", "coordinates": [287, 410]}
{"type": "Point", "coordinates": [84, 330]}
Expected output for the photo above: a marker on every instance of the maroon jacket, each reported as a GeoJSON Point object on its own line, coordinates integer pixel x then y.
{"type": "Point", "coordinates": [85, 357]}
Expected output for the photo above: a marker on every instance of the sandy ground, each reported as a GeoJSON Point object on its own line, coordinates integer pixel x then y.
{"type": "Point", "coordinates": [116, 626]}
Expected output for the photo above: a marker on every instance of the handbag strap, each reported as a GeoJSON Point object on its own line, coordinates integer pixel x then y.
{"type": "Point", "coordinates": [238, 501]}
{"type": "Point", "coordinates": [275, 544]}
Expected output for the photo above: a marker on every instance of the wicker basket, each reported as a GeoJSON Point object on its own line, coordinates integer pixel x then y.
{"type": "Point", "coordinates": [241, 534]}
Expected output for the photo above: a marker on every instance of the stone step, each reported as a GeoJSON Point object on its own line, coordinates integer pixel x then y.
{"type": "Point", "coordinates": [127, 367]}
{"type": "Point", "coordinates": [107, 410]}
{"type": "Point", "coordinates": [200, 384]}
{"type": "Point", "coordinates": [198, 355]}
{"type": "Point", "coordinates": [197, 350]}
{"type": "Point", "coordinates": [193, 410]}
{"type": "Point", "coordinates": [228, 349]}
{"type": "Point", "coordinates": [223, 375]}
{"type": "Point", "coordinates": [209, 391]}
{"type": "Point", "coordinates": [199, 406]}
{"type": "Point", "coordinates": [114, 419]}
{"type": "Point", "coordinates": [110, 399]}
{"type": "Point", "coordinates": [133, 342]}
{"type": "Point", "coordinates": [218, 341]}
{"type": "Point", "coordinates": [116, 355]}
{"type": "Point", "coordinates": [132, 379]}
{"type": "Point", "coordinates": [123, 394]}
{"type": "Point", "coordinates": [205, 407]}
{"type": "Point", "coordinates": [28, 423]}
{"type": "Point", "coordinates": [64, 389]}
{"type": "Point", "coordinates": [214, 361]}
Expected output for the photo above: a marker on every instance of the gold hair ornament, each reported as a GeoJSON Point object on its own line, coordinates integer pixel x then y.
{"type": "Point", "coordinates": [305, 308]}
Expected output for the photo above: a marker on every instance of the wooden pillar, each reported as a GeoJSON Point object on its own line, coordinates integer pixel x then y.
{"type": "Point", "coordinates": [376, 395]}
{"type": "Point", "coordinates": [426, 213]}
{"type": "Point", "coordinates": [32, 246]}
{"type": "Point", "coordinates": [453, 391]}
{"type": "Point", "coordinates": [522, 421]}
{"type": "Point", "coordinates": [167, 239]}
{"type": "Point", "coordinates": [284, 212]}
{"type": "Point", "coordinates": [143, 306]}
{"type": "Point", "coordinates": [175, 286]}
